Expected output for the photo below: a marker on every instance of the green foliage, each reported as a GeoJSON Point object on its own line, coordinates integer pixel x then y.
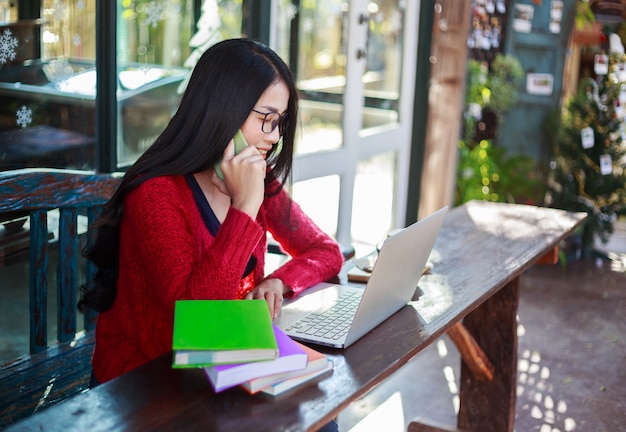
{"type": "Point", "coordinates": [476, 83]}
{"type": "Point", "coordinates": [476, 96]}
{"type": "Point", "coordinates": [584, 17]}
{"type": "Point", "coordinates": [494, 88]}
{"type": "Point", "coordinates": [577, 182]}
{"type": "Point", "coordinates": [505, 78]}
{"type": "Point", "coordinates": [487, 173]}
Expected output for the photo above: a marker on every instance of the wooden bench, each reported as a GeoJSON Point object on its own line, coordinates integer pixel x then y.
{"type": "Point", "coordinates": [52, 372]}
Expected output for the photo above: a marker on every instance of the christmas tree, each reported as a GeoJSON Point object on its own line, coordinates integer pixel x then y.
{"type": "Point", "coordinates": [587, 173]}
{"type": "Point", "coordinates": [208, 34]}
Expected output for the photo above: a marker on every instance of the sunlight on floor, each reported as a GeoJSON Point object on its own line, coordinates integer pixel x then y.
{"type": "Point", "coordinates": [449, 374]}
{"type": "Point", "coordinates": [393, 410]}
{"type": "Point", "coordinates": [534, 386]}
{"type": "Point", "coordinates": [388, 417]}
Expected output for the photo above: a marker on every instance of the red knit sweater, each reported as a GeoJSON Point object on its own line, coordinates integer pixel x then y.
{"type": "Point", "coordinates": [167, 254]}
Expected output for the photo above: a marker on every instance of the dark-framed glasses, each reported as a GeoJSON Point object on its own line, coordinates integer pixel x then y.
{"type": "Point", "coordinates": [271, 120]}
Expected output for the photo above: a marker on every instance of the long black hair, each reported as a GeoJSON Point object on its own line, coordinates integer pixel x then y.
{"type": "Point", "coordinates": [224, 86]}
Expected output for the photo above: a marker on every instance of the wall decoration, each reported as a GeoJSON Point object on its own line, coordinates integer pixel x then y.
{"type": "Point", "coordinates": [556, 16]}
{"type": "Point", "coordinates": [24, 116]}
{"type": "Point", "coordinates": [620, 71]}
{"type": "Point", "coordinates": [488, 18]}
{"type": "Point", "coordinates": [523, 18]}
{"type": "Point", "coordinates": [606, 164]}
{"type": "Point", "coordinates": [587, 137]}
{"type": "Point", "coordinates": [601, 64]}
{"type": "Point", "coordinates": [539, 83]}
{"type": "Point", "coordinates": [8, 46]}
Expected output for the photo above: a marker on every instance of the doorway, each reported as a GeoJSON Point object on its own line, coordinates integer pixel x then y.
{"type": "Point", "coordinates": [354, 63]}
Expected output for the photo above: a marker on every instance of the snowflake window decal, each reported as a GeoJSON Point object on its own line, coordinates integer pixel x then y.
{"type": "Point", "coordinates": [24, 116]}
{"type": "Point", "coordinates": [59, 10]}
{"type": "Point", "coordinates": [8, 45]}
{"type": "Point", "coordinates": [153, 13]}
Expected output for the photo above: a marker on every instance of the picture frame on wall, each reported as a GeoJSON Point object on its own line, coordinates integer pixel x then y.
{"type": "Point", "coordinates": [539, 84]}
{"type": "Point", "coordinates": [523, 18]}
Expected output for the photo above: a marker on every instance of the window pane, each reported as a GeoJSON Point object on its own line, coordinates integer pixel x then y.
{"type": "Point", "coordinates": [319, 199]}
{"type": "Point", "coordinates": [381, 79]}
{"type": "Point", "coordinates": [320, 73]}
{"type": "Point", "coordinates": [152, 43]}
{"type": "Point", "coordinates": [372, 210]}
{"type": "Point", "coordinates": [47, 88]}
{"type": "Point", "coordinates": [48, 76]}
{"type": "Point", "coordinates": [158, 45]}
{"type": "Point", "coordinates": [69, 29]}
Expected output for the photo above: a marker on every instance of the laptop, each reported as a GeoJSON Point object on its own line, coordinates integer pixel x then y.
{"type": "Point", "coordinates": [391, 285]}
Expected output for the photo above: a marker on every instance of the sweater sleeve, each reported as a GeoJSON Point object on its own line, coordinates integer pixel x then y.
{"type": "Point", "coordinates": [174, 250]}
{"type": "Point", "coordinates": [315, 256]}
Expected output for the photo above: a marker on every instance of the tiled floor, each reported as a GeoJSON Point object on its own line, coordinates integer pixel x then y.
{"type": "Point", "coordinates": [572, 353]}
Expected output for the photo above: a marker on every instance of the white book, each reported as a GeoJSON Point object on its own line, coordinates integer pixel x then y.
{"type": "Point", "coordinates": [292, 383]}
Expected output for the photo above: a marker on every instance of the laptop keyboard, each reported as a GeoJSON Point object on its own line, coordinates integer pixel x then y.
{"type": "Point", "coordinates": [332, 323]}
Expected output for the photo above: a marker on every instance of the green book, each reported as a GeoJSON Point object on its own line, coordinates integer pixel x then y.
{"type": "Point", "coordinates": [212, 332]}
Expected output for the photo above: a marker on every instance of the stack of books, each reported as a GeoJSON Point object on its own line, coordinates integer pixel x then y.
{"type": "Point", "coordinates": [236, 344]}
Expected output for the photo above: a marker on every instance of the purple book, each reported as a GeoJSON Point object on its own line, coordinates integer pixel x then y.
{"type": "Point", "coordinates": [291, 357]}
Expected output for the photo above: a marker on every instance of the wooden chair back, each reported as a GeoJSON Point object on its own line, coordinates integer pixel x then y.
{"type": "Point", "coordinates": [37, 193]}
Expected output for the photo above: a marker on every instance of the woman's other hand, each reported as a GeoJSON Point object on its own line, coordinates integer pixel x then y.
{"type": "Point", "coordinates": [273, 291]}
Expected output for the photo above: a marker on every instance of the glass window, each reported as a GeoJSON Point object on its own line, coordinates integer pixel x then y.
{"type": "Point", "coordinates": [319, 32]}
{"type": "Point", "coordinates": [372, 214]}
{"type": "Point", "coordinates": [158, 45]}
{"type": "Point", "coordinates": [382, 76]}
{"type": "Point", "coordinates": [348, 60]}
{"type": "Point", "coordinates": [48, 75]}
{"type": "Point", "coordinates": [47, 103]}
{"type": "Point", "coordinates": [152, 43]}
{"type": "Point", "coordinates": [46, 118]}
{"type": "Point", "coordinates": [68, 30]}
{"type": "Point", "coordinates": [321, 207]}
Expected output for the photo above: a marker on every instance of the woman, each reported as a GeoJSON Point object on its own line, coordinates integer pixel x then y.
{"type": "Point", "coordinates": [175, 230]}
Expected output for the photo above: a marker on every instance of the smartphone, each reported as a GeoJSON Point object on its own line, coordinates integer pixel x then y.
{"type": "Point", "coordinates": [240, 144]}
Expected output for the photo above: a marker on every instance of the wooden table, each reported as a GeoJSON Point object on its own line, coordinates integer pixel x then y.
{"type": "Point", "coordinates": [480, 254]}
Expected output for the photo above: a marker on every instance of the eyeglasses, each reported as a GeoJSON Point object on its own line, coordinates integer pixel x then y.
{"type": "Point", "coordinates": [271, 120]}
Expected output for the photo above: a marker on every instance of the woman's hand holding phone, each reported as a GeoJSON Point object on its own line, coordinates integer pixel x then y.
{"type": "Point", "coordinates": [240, 144]}
{"type": "Point", "coordinates": [241, 175]}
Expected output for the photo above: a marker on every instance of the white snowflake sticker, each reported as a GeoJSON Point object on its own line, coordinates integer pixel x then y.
{"type": "Point", "coordinates": [24, 116]}
{"type": "Point", "coordinates": [59, 10]}
{"type": "Point", "coordinates": [8, 44]}
{"type": "Point", "coordinates": [153, 13]}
